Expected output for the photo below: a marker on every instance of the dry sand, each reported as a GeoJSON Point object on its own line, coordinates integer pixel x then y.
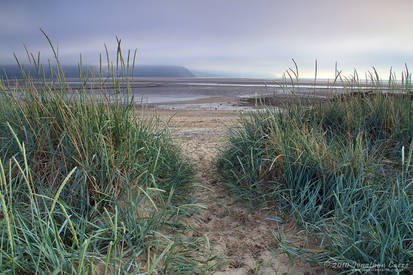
{"type": "Point", "coordinates": [241, 236]}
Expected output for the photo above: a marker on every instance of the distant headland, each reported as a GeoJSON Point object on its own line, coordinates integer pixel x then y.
{"type": "Point", "coordinates": [72, 71]}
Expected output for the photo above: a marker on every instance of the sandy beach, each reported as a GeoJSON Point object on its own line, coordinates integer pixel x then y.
{"type": "Point", "coordinates": [240, 235]}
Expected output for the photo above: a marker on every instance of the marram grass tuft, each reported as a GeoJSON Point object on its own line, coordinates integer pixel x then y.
{"type": "Point", "coordinates": [341, 167]}
{"type": "Point", "coordinates": [88, 184]}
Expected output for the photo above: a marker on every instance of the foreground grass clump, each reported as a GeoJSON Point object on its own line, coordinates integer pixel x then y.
{"type": "Point", "coordinates": [341, 167]}
{"type": "Point", "coordinates": [89, 186]}
{"type": "Point", "coordinates": [108, 143]}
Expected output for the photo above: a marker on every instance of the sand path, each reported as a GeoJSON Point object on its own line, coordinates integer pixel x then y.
{"type": "Point", "coordinates": [241, 236]}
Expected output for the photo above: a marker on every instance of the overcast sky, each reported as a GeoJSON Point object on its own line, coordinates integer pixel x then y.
{"type": "Point", "coordinates": [247, 37]}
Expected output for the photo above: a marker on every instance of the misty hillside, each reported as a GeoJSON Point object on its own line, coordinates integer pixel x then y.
{"type": "Point", "coordinates": [72, 71]}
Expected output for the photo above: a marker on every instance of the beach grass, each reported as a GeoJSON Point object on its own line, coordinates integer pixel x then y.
{"type": "Point", "coordinates": [89, 185]}
{"type": "Point", "coordinates": [341, 167]}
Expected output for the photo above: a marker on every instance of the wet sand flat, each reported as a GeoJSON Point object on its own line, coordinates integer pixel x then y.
{"type": "Point", "coordinates": [164, 92]}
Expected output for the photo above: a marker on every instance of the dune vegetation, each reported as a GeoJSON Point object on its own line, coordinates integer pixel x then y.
{"type": "Point", "coordinates": [341, 167]}
{"type": "Point", "coordinates": [88, 185]}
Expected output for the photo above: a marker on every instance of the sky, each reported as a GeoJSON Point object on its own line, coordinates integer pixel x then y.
{"type": "Point", "coordinates": [246, 38]}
